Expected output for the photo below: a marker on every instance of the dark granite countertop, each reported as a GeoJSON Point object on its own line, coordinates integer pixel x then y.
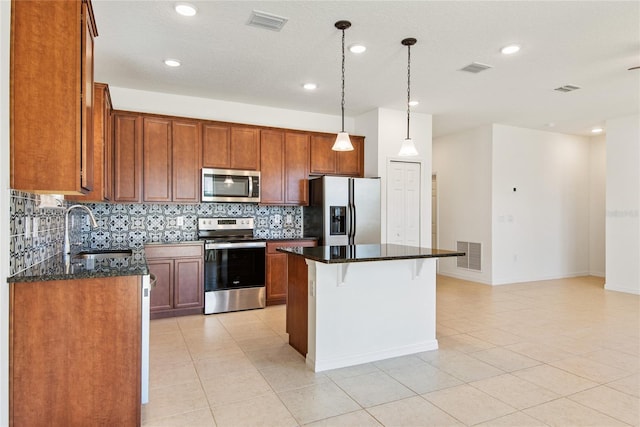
{"type": "Point", "coordinates": [55, 268]}
{"type": "Point", "coordinates": [362, 253]}
{"type": "Point", "coordinates": [291, 239]}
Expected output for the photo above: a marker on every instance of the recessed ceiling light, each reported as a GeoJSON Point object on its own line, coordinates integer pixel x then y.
{"type": "Point", "coordinates": [596, 130]}
{"type": "Point", "coordinates": [511, 49]}
{"type": "Point", "coordinates": [185, 9]}
{"type": "Point", "coordinates": [310, 86]}
{"type": "Point", "coordinates": [357, 48]}
{"type": "Point", "coordinates": [413, 103]}
{"type": "Point", "coordinates": [171, 62]}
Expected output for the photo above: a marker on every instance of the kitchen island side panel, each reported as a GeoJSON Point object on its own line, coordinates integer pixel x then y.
{"type": "Point", "coordinates": [368, 311]}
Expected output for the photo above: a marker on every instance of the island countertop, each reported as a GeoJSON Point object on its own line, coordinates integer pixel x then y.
{"type": "Point", "coordinates": [363, 253]}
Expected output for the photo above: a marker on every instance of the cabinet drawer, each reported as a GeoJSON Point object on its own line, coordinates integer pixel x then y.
{"type": "Point", "coordinates": [174, 251]}
{"type": "Point", "coordinates": [272, 246]}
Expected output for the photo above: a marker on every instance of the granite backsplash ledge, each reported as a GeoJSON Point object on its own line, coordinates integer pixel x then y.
{"type": "Point", "coordinates": [134, 224]}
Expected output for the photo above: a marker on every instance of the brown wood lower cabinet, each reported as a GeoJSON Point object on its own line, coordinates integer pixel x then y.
{"type": "Point", "coordinates": [75, 352]}
{"type": "Point", "coordinates": [297, 303]}
{"type": "Point", "coordinates": [179, 279]}
{"type": "Point", "coordinates": [277, 269]}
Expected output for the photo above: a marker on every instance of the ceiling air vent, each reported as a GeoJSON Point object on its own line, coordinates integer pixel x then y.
{"type": "Point", "coordinates": [475, 67]}
{"type": "Point", "coordinates": [567, 88]}
{"type": "Point", "coordinates": [266, 20]}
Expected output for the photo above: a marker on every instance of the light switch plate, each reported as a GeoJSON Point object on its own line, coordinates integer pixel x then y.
{"type": "Point", "coordinates": [180, 221]}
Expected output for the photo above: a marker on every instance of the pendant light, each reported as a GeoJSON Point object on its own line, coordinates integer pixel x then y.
{"type": "Point", "coordinates": [343, 143]}
{"type": "Point", "coordinates": [408, 148]}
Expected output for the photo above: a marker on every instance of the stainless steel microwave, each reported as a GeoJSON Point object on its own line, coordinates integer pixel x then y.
{"type": "Point", "coordinates": [227, 185]}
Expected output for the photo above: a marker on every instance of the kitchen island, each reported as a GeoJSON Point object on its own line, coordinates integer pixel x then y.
{"type": "Point", "coordinates": [348, 305]}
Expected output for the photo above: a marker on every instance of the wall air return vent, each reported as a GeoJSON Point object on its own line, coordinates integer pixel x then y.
{"type": "Point", "coordinates": [475, 67]}
{"type": "Point", "coordinates": [266, 20]}
{"type": "Point", "coordinates": [567, 88]}
{"type": "Point", "coordinates": [473, 258]}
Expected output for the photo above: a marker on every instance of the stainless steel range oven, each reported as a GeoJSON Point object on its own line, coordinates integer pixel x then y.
{"type": "Point", "coordinates": [234, 265]}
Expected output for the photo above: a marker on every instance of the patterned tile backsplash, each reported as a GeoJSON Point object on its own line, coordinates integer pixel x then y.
{"type": "Point", "coordinates": [128, 225]}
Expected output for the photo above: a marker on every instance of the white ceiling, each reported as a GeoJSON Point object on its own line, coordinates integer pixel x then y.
{"type": "Point", "coordinates": [590, 44]}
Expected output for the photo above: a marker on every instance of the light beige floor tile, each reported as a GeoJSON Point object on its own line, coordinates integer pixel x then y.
{"type": "Point", "coordinates": [352, 419]}
{"type": "Point", "coordinates": [289, 376]}
{"type": "Point", "coordinates": [589, 369]}
{"type": "Point", "coordinates": [515, 391]}
{"type": "Point", "coordinates": [224, 364]}
{"type": "Point", "coordinates": [198, 322]}
{"type": "Point", "coordinates": [412, 411]}
{"type": "Point", "coordinates": [172, 400]}
{"type": "Point", "coordinates": [611, 402]}
{"type": "Point", "coordinates": [496, 336]}
{"type": "Point", "coordinates": [265, 410]}
{"type": "Point", "coordinates": [373, 389]}
{"type": "Point", "coordinates": [629, 385]}
{"type": "Point", "coordinates": [423, 378]}
{"type": "Point", "coordinates": [443, 331]}
{"type": "Point", "coordinates": [261, 342]}
{"type": "Point", "coordinates": [517, 419]}
{"type": "Point", "coordinates": [352, 371]}
{"type": "Point", "coordinates": [317, 402]}
{"type": "Point", "coordinates": [466, 368]}
{"type": "Point", "coordinates": [274, 356]}
{"type": "Point", "coordinates": [169, 355]}
{"type": "Point", "coordinates": [162, 375]}
{"type": "Point", "coordinates": [161, 326]}
{"type": "Point", "coordinates": [398, 362]}
{"type": "Point", "coordinates": [234, 387]}
{"type": "Point", "coordinates": [564, 412]}
{"type": "Point", "coordinates": [504, 359]}
{"type": "Point", "coordinates": [542, 352]}
{"type": "Point", "coordinates": [463, 343]}
{"type": "Point", "coordinates": [617, 359]}
{"type": "Point", "coordinates": [468, 404]}
{"type": "Point", "coordinates": [199, 418]}
{"type": "Point", "coordinates": [554, 379]}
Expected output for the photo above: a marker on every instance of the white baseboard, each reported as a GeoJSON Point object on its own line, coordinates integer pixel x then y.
{"type": "Point", "coordinates": [625, 289]}
{"type": "Point", "coordinates": [342, 362]}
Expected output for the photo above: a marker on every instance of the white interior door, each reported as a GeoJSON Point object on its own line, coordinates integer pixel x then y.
{"type": "Point", "coordinates": [403, 203]}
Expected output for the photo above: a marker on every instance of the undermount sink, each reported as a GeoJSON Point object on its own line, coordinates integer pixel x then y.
{"type": "Point", "coordinates": [102, 254]}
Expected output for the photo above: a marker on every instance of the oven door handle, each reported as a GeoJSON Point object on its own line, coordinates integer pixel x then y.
{"type": "Point", "coordinates": [237, 245]}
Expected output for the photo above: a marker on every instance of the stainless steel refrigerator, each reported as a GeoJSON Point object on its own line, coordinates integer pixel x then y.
{"type": "Point", "coordinates": [343, 211]}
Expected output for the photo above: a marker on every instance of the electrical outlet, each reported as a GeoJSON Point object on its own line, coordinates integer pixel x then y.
{"type": "Point", "coordinates": [277, 218]}
{"type": "Point", "coordinates": [34, 229]}
{"type": "Point", "coordinates": [180, 221]}
{"type": "Point", "coordinates": [27, 226]}
{"type": "Point", "coordinates": [289, 219]}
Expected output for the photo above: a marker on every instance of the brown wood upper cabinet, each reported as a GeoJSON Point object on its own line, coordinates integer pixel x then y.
{"type": "Point", "coordinates": [325, 161]}
{"type": "Point", "coordinates": [284, 160]}
{"type": "Point", "coordinates": [102, 147]}
{"type": "Point", "coordinates": [52, 96]}
{"type": "Point", "coordinates": [127, 157]}
{"type": "Point", "coordinates": [230, 147]}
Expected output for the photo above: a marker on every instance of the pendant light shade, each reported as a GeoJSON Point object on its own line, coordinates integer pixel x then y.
{"type": "Point", "coordinates": [343, 143]}
{"type": "Point", "coordinates": [408, 148]}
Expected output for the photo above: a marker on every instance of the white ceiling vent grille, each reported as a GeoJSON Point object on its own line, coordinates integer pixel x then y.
{"type": "Point", "coordinates": [567, 88]}
{"type": "Point", "coordinates": [266, 20]}
{"type": "Point", "coordinates": [475, 67]}
{"type": "Point", "coordinates": [473, 258]}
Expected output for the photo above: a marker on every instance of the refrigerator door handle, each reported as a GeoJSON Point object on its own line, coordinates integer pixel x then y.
{"type": "Point", "coordinates": [352, 213]}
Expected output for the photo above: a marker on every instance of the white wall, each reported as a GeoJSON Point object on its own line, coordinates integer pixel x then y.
{"type": "Point", "coordinates": [462, 164]}
{"type": "Point", "coordinates": [213, 109]}
{"type": "Point", "coordinates": [540, 231]}
{"type": "Point", "coordinates": [387, 128]}
{"type": "Point", "coordinates": [597, 204]}
{"type": "Point", "coordinates": [623, 205]}
{"type": "Point", "coordinates": [5, 32]}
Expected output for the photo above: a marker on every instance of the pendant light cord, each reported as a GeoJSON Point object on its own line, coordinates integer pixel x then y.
{"type": "Point", "coordinates": [408, 87]}
{"type": "Point", "coordinates": [342, 80]}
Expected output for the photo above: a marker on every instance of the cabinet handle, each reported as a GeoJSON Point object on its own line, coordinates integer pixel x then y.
{"type": "Point", "coordinates": [152, 280]}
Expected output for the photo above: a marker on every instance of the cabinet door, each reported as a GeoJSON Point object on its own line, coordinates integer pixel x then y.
{"type": "Point", "coordinates": [186, 161]}
{"type": "Point", "coordinates": [276, 278]}
{"type": "Point", "coordinates": [272, 167]}
{"type": "Point", "coordinates": [352, 162]}
{"type": "Point", "coordinates": [216, 146]}
{"type": "Point", "coordinates": [188, 283]}
{"type": "Point", "coordinates": [245, 148]}
{"type": "Point", "coordinates": [87, 100]}
{"type": "Point", "coordinates": [323, 158]}
{"type": "Point", "coordinates": [296, 167]}
{"type": "Point", "coordinates": [157, 160]}
{"type": "Point", "coordinates": [127, 157]}
{"type": "Point", "coordinates": [162, 293]}
{"type": "Point", "coordinates": [107, 129]}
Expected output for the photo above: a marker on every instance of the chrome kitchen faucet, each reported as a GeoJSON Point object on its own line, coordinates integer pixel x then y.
{"type": "Point", "coordinates": [94, 224]}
